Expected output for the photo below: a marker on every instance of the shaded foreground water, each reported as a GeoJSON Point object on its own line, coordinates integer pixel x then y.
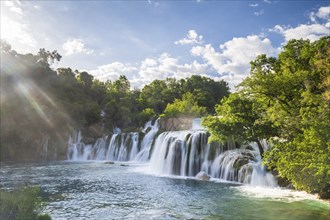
{"type": "Point", "coordinates": [96, 190]}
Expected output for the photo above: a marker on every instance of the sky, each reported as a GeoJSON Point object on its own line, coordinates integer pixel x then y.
{"type": "Point", "coordinates": [148, 39]}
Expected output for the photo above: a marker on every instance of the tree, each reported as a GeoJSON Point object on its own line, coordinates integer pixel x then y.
{"type": "Point", "coordinates": [86, 79]}
{"type": "Point", "coordinates": [153, 96]}
{"type": "Point", "coordinates": [187, 106]}
{"type": "Point", "coordinates": [242, 119]}
{"type": "Point", "coordinates": [47, 57]}
{"type": "Point", "coordinates": [206, 91]}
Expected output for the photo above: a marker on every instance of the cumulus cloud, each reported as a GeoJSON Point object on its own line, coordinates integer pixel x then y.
{"type": "Point", "coordinates": [150, 69]}
{"type": "Point", "coordinates": [76, 46]}
{"type": "Point", "coordinates": [166, 66]}
{"type": "Point", "coordinates": [305, 31]}
{"type": "Point", "coordinates": [191, 38]}
{"type": "Point", "coordinates": [319, 28]}
{"type": "Point", "coordinates": [322, 13]}
{"type": "Point", "coordinates": [232, 61]}
{"type": "Point", "coordinates": [112, 71]}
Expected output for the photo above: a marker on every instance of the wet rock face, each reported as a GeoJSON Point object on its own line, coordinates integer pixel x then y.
{"type": "Point", "coordinates": [176, 124]}
{"type": "Point", "coordinates": [202, 176]}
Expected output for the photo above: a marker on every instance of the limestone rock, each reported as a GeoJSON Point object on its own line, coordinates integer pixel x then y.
{"type": "Point", "coordinates": [202, 176]}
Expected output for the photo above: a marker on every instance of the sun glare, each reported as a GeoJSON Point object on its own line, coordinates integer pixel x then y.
{"type": "Point", "coordinates": [14, 28]}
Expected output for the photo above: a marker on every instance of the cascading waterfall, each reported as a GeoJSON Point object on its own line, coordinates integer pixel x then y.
{"type": "Point", "coordinates": [74, 146]}
{"type": "Point", "coordinates": [45, 147]}
{"type": "Point", "coordinates": [183, 153]}
{"type": "Point", "coordinates": [116, 147]}
{"type": "Point", "coordinates": [147, 141]}
{"type": "Point", "coordinates": [186, 153]}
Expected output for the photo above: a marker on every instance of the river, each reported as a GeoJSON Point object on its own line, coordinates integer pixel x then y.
{"type": "Point", "coordinates": [95, 190]}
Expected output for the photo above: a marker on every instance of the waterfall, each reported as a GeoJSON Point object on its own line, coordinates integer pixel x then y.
{"type": "Point", "coordinates": [182, 153]}
{"type": "Point", "coordinates": [147, 141]}
{"type": "Point", "coordinates": [186, 153]}
{"type": "Point", "coordinates": [45, 147]}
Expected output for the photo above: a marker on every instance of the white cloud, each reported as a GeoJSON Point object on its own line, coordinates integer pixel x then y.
{"type": "Point", "coordinates": [267, 1]}
{"type": "Point", "coordinates": [112, 71]}
{"type": "Point", "coordinates": [254, 5]}
{"type": "Point", "coordinates": [319, 28]}
{"type": "Point", "coordinates": [191, 38]}
{"type": "Point", "coordinates": [14, 6]}
{"type": "Point", "coordinates": [232, 62]}
{"type": "Point", "coordinates": [76, 46]}
{"type": "Point", "coordinates": [16, 31]}
{"type": "Point", "coordinates": [258, 13]}
{"type": "Point", "coordinates": [305, 31]}
{"type": "Point", "coordinates": [323, 12]}
{"type": "Point", "coordinates": [167, 66]}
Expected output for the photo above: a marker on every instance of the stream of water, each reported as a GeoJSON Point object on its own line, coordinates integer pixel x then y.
{"type": "Point", "coordinates": [96, 190]}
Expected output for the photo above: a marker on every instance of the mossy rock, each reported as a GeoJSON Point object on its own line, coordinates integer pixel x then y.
{"type": "Point", "coordinates": [240, 162]}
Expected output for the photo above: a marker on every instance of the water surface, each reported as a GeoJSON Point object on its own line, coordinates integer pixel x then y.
{"type": "Point", "coordinates": [95, 190]}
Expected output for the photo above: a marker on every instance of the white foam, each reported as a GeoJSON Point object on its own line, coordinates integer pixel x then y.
{"type": "Point", "coordinates": [277, 193]}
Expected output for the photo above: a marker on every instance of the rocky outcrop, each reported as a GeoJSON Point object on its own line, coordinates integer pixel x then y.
{"type": "Point", "coordinates": [91, 133]}
{"type": "Point", "coordinates": [202, 176]}
{"type": "Point", "coordinates": [175, 124]}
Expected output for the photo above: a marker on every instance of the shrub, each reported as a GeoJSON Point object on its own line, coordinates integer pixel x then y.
{"type": "Point", "coordinates": [22, 203]}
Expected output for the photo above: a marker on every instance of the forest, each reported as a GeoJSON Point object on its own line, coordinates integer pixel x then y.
{"type": "Point", "coordinates": [285, 100]}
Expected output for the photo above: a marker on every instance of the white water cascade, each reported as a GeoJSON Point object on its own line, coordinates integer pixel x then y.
{"type": "Point", "coordinates": [182, 153]}
{"type": "Point", "coordinates": [147, 141]}
{"type": "Point", "coordinates": [116, 147]}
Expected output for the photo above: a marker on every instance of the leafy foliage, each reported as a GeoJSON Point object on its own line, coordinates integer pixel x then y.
{"type": "Point", "coordinates": [240, 118]}
{"type": "Point", "coordinates": [185, 107]}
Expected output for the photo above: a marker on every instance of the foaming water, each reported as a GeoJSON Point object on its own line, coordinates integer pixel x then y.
{"type": "Point", "coordinates": [278, 193]}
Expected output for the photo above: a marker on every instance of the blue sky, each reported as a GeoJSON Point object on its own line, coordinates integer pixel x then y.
{"type": "Point", "coordinates": [147, 40]}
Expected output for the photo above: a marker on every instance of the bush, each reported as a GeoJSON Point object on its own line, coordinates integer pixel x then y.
{"type": "Point", "coordinates": [22, 203]}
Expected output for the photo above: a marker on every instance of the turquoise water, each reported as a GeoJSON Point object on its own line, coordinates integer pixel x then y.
{"type": "Point", "coordinates": [95, 190]}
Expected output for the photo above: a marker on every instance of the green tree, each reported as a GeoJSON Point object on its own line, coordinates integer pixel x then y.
{"type": "Point", "coordinates": [242, 119]}
{"type": "Point", "coordinates": [185, 107]}
{"type": "Point", "coordinates": [206, 91]}
{"type": "Point", "coordinates": [86, 79]}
